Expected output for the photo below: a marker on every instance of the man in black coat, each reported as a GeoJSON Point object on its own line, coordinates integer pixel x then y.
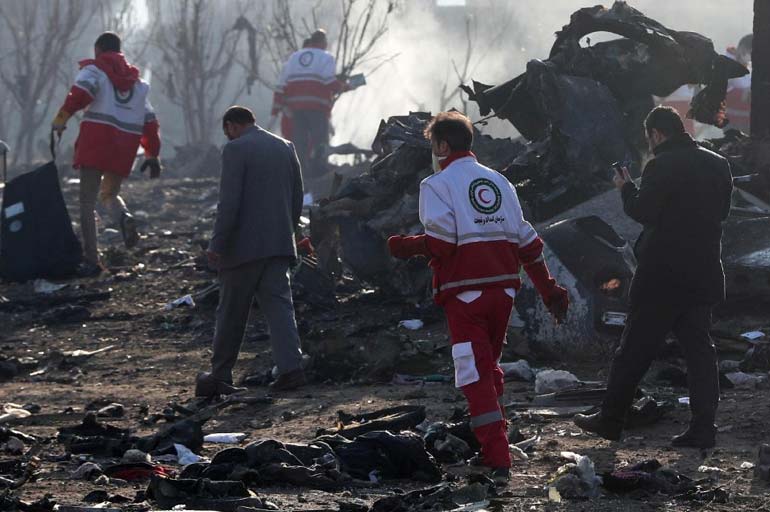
{"type": "Point", "coordinates": [683, 199]}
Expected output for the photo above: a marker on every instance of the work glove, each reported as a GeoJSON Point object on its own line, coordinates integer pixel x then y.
{"type": "Point", "coordinates": [305, 247]}
{"type": "Point", "coordinates": [59, 123]}
{"type": "Point", "coordinates": [154, 165]}
{"type": "Point", "coordinates": [404, 247]}
{"type": "Point", "coordinates": [557, 302]}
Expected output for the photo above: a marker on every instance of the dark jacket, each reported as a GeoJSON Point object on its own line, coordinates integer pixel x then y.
{"type": "Point", "coordinates": [683, 199]}
{"type": "Point", "coordinates": [260, 199]}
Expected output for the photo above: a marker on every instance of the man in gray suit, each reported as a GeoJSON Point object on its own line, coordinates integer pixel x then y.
{"type": "Point", "coordinates": [253, 247]}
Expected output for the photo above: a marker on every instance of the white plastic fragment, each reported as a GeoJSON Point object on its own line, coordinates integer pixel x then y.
{"type": "Point", "coordinates": [709, 469]}
{"type": "Point", "coordinates": [13, 412]}
{"type": "Point", "coordinates": [46, 287]}
{"type": "Point", "coordinates": [412, 325]}
{"type": "Point", "coordinates": [225, 438]}
{"type": "Point", "coordinates": [753, 335]}
{"type": "Point", "coordinates": [185, 456]}
{"type": "Point", "coordinates": [517, 453]}
{"type": "Point", "coordinates": [181, 301]}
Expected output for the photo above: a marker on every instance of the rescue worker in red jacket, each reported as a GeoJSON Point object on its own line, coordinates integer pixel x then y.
{"type": "Point", "coordinates": [118, 118]}
{"type": "Point", "coordinates": [305, 95]}
{"type": "Point", "coordinates": [477, 240]}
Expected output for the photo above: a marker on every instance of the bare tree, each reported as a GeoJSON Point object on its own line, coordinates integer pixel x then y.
{"type": "Point", "coordinates": [41, 34]}
{"type": "Point", "coordinates": [199, 53]}
{"type": "Point", "coordinates": [471, 59]}
{"type": "Point", "coordinates": [119, 16]}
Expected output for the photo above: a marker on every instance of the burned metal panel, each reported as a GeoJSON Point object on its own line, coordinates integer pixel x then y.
{"type": "Point", "coordinates": [746, 257]}
{"type": "Point", "coordinates": [596, 265]}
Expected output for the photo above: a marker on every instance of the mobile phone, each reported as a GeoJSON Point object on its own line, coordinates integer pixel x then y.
{"type": "Point", "coordinates": [356, 81]}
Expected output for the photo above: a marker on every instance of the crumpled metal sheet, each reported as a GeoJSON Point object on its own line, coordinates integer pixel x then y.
{"type": "Point", "coordinates": [650, 59]}
{"type": "Point", "coordinates": [583, 108]}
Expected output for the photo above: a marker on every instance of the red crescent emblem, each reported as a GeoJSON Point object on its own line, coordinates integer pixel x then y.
{"type": "Point", "coordinates": [481, 196]}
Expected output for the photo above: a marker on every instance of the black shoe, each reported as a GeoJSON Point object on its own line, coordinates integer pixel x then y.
{"type": "Point", "coordinates": [695, 438]}
{"type": "Point", "coordinates": [501, 476]}
{"type": "Point", "coordinates": [88, 269]}
{"type": "Point", "coordinates": [128, 229]}
{"type": "Point", "coordinates": [290, 380]}
{"type": "Point", "coordinates": [597, 424]}
{"type": "Point", "coordinates": [207, 386]}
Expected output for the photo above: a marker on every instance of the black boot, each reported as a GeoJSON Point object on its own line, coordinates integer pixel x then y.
{"type": "Point", "coordinates": [696, 437]}
{"type": "Point", "coordinates": [599, 425]}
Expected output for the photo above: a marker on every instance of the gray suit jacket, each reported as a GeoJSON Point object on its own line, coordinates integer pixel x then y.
{"type": "Point", "coordinates": [260, 199]}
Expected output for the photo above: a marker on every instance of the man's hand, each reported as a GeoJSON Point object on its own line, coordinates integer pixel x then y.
{"type": "Point", "coordinates": [621, 179]}
{"type": "Point", "coordinates": [557, 303]}
{"type": "Point", "coordinates": [59, 123]}
{"type": "Point", "coordinates": [154, 165]}
{"type": "Point", "coordinates": [214, 259]}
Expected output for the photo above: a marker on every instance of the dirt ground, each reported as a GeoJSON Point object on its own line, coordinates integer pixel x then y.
{"type": "Point", "coordinates": [156, 355]}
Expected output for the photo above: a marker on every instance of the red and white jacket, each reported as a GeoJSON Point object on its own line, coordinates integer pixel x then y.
{"type": "Point", "coordinates": [308, 81]}
{"type": "Point", "coordinates": [118, 116]}
{"type": "Point", "coordinates": [475, 231]}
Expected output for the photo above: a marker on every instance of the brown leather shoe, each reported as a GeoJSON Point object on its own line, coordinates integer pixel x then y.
{"type": "Point", "coordinates": [290, 380]}
{"type": "Point", "coordinates": [207, 386]}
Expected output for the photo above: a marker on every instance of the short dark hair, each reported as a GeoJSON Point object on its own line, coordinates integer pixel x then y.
{"type": "Point", "coordinates": [319, 36]}
{"type": "Point", "coordinates": [746, 43]}
{"type": "Point", "coordinates": [453, 128]}
{"type": "Point", "coordinates": [238, 115]}
{"type": "Point", "coordinates": [108, 42]}
{"type": "Point", "coordinates": [664, 119]}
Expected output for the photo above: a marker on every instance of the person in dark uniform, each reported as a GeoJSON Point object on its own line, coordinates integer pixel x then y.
{"type": "Point", "coordinates": [682, 201]}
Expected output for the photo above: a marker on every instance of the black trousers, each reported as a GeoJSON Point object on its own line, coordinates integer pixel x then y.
{"type": "Point", "coordinates": [648, 323]}
{"type": "Point", "coordinates": [310, 132]}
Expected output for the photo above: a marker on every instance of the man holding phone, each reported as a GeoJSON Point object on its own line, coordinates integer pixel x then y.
{"type": "Point", "coordinates": [683, 199]}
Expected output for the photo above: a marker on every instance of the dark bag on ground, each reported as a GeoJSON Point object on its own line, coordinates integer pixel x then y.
{"type": "Point", "coordinates": [37, 240]}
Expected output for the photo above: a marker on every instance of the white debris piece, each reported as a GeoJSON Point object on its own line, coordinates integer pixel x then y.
{"type": "Point", "coordinates": [412, 325]}
{"type": "Point", "coordinates": [181, 301]}
{"type": "Point", "coordinates": [87, 471]}
{"type": "Point", "coordinates": [743, 380]}
{"type": "Point", "coordinates": [551, 381]}
{"type": "Point", "coordinates": [517, 453]}
{"type": "Point", "coordinates": [709, 469]}
{"type": "Point", "coordinates": [186, 456]}
{"type": "Point", "coordinates": [12, 412]}
{"type": "Point", "coordinates": [753, 335]}
{"type": "Point", "coordinates": [46, 287]}
{"type": "Point", "coordinates": [225, 438]}
{"type": "Point", "coordinates": [519, 370]}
